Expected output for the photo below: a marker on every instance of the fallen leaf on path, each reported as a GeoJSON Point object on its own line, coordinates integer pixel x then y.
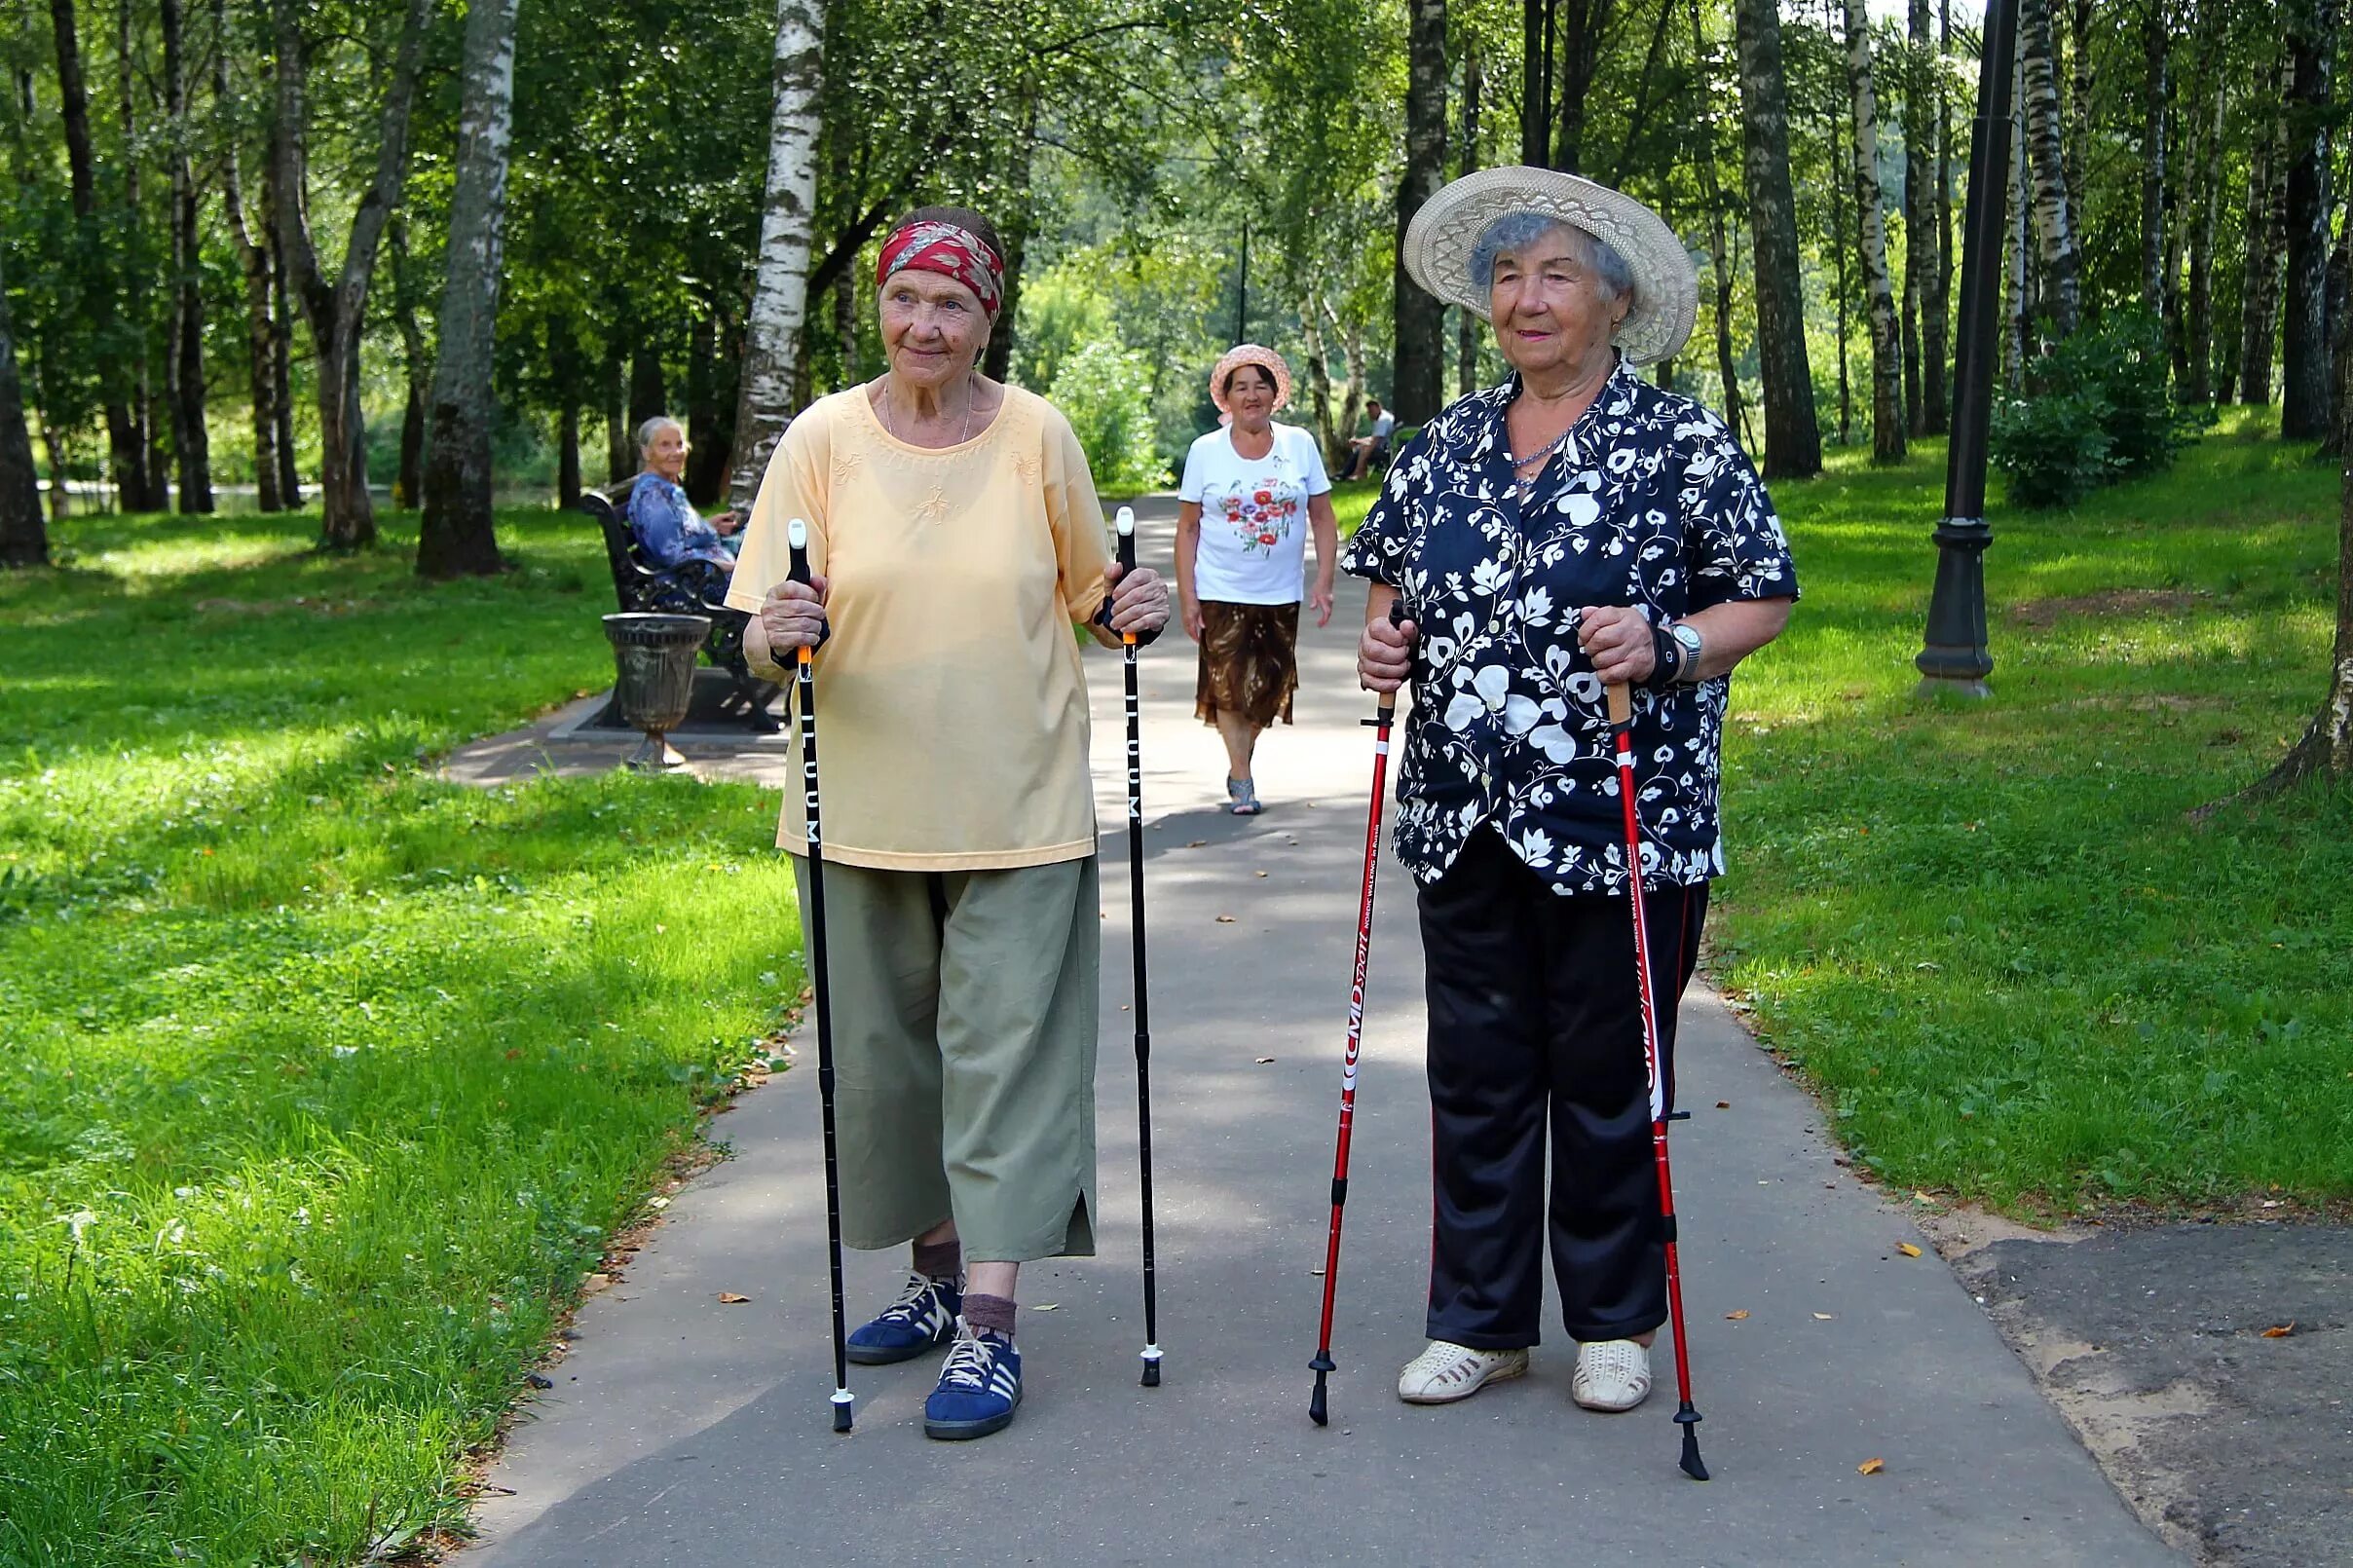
{"type": "Point", "coordinates": [1263, 1060]}
{"type": "Point", "coordinates": [1907, 1249]}
{"type": "Point", "coordinates": [1196, 844]}
{"type": "Point", "coordinates": [1825, 1317]}
{"type": "Point", "coordinates": [1047, 1306]}
{"type": "Point", "coordinates": [1261, 874]}
{"type": "Point", "coordinates": [1926, 1198]}
{"type": "Point", "coordinates": [1871, 1467]}
{"type": "Point", "coordinates": [1315, 1274]}
{"type": "Point", "coordinates": [1723, 1105]}
{"type": "Point", "coordinates": [732, 1299]}
{"type": "Point", "coordinates": [2279, 1331]}
{"type": "Point", "coordinates": [1736, 1315]}
{"type": "Point", "coordinates": [1226, 919]}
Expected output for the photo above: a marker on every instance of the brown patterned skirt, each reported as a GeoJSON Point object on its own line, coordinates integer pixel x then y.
{"type": "Point", "coordinates": [1249, 663]}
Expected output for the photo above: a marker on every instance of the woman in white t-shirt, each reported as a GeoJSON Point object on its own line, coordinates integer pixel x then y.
{"type": "Point", "coordinates": [1251, 490]}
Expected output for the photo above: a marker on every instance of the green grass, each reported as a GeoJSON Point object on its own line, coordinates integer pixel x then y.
{"type": "Point", "coordinates": [323, 1081]}
{"type": "Point", "coordinates": [1987, 933]}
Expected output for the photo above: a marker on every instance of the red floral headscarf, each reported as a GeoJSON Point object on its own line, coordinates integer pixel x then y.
{"type": "Point", "coordinates": [933, 247]}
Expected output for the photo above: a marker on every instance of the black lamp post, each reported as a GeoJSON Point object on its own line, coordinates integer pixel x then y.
{"type": "Point", "coordinates": [1954, 658]}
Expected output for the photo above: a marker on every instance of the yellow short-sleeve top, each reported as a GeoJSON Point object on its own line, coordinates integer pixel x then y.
{"type": "Point", "coordinates": [951, 706]}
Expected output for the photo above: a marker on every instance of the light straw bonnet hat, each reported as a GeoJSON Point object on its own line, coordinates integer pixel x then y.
{"type": "Point", "coordinates": [1249, 353]}
{"type": "Point", "coordinates": [1666, 285]}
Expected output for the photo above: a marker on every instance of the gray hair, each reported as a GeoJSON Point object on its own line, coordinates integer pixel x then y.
{"type": "Point", "coordinates": [654, 426]}
{"type": "Point", "coordinates": [1514, 231]}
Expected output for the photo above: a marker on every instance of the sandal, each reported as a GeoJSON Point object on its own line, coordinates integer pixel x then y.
{"type": "Point", "coordinates": [1244, 793]}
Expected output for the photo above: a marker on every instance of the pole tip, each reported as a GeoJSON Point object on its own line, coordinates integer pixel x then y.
{"type": "Point", "coordinates": [796, 534]}
{"type": "Point", "coordinates": [1151, 1366]}
{"type": "Point", "coordinates": [1124, 523]}
{"type": "Point", "coordinates": [1688, 1420]}
{"type": "Point", "coordinates": [843, 1403]}
{"type": "Point", "coordinates": [1317, 1411]}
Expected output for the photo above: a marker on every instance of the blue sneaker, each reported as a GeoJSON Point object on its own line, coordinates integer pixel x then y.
{"type": "Point", "coordinates": [923, 1318]}
{"type": "Point", "coordinates": [980, 1387]}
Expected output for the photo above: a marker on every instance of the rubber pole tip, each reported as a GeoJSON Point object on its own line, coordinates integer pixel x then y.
{"type": "Point", "coordinates": [1692, 1465]}
{"type": "Point", "coordinates": [842, 1418]}
{"type": "Point", "coordinates": [1151, 1374]}
{"type": "Point", "coordinates": [1317, 1411]}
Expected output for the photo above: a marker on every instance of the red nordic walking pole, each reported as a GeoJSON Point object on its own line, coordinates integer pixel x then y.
{"type": "Point", "coordinates": [1621, 729]}
{"type": "Point", "coordinates": [1124, 525]}
{"type": "Point", "coordinates": [796, 535]}
{"type": "Point", "coordinates": [1384, 712]}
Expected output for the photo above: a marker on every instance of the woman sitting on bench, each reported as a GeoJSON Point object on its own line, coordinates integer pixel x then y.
{"type": "Point", "coordinates": [666, 526]}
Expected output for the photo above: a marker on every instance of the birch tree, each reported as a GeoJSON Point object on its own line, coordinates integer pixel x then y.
{"type": "Point", "coordinates": [456, 536]}
{"type": "Point", "coordinates": [1793, 440]}
{"type": "Point", "coordinates": [253, 268]}
{"type": "Point", "coordinates": [2261, 240]}
{"type": "Point", "coordinates": [2305, 389]}
{"type": "Point", "coordinates": [2054, 214]}
{"type": "Point", "coordinates": [23, 531]}
{"type": "Point", "coordinates": [336, 307]}
{"type": "Point", "coordinates": [1419, 364]}
{"type": "Point", "coordinates": [1728, 370]}
{"type": "Point", "coordinates": [780, 283]}
{"type": "Point", "coordinates": [1871, 231]}
{"type": "Point", "coordinates": [1919, 219]}
{"type": "Point", "coordinates": [2156, 44]}
{"type": "Point", "coordinates": [184, 340]}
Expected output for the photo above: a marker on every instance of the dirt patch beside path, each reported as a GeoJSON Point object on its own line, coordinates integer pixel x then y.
{"type": "Point", "coordinates": [2044, 613]}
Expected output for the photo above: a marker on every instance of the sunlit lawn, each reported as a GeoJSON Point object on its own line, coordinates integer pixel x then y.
{"type": "Point", "coordinates": [1987, 932]}
{"type": "Point", "coordinates": [322, 1081]}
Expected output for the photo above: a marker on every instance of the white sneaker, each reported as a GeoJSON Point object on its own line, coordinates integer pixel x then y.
{"type": "Point", "coordinates": [1612, 1374]}
{"type": "Point", "coordinates": [1447, 1371]}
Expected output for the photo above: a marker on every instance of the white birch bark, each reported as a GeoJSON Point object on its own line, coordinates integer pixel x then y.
{"type": "Point", "coordinates": [1887, 351]}
{"type": "Point", "coordinates": [2054, 213]}
{"type": "Point", "coordinates": [456, 535]}
{"type": "Point", "coordinates": [780, 286]}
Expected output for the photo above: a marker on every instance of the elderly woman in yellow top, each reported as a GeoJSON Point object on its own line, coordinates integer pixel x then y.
{"type": "Point", "coordinates": [1572, 529]}
{"type": "Point", "coordinates": [955, 538]}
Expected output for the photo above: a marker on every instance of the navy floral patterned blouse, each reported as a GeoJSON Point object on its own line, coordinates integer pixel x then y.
{"type": "Point", "coordinates": [1649, 503]}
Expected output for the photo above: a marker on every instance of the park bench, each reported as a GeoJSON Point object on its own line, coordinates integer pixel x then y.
{"type": "Point", "coordinates": [692, 588]}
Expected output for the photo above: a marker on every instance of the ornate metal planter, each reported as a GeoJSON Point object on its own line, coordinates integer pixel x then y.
{"type": "Point", "coordinates": [654, 676]}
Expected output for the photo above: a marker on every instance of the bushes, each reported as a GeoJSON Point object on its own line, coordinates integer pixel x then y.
{"type": "Point", "coordinates": [2097, 410]}
{"type": "Point", "coordinates": [1105, 392]}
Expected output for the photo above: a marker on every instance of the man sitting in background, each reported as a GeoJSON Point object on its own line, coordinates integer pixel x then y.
{"type": "Point", "coordinates": [1367, 450]}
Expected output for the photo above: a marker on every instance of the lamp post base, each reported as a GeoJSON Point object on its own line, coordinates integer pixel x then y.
{"type": "Point", "coordinates": [1939, 686]}
{"type": "Point", "coordinates": [1953, 661]}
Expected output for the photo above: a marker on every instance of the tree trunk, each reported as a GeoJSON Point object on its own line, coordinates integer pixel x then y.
{"type": "Point", "coordinates": [2262, 237]}
{"type": "Point", "coordinates": [153, 464]}
{"type": "Point", "coordinates": [1920, 213]}
{"type": "Point", "coordinates": [2206, 201]}
{"type": "Point", "coordinates": [1535, 81]}
{"type": "Point", "coordinates": [2153, 41]}
{"type": "Point", "coordinates": [1581, 30]}
{"type": "Point", "coordinates": [568, 450]}
{"type": "Point", "coordinates": [1319, 385]}
{"type": "Point", "coordinates": [707, 434]}
{"type": "Point", "coordinates": [1711, 190]}
{"type": "Point", "coordinates": [2077, 120]}
{"type": "Point", "coordinates": [55, 450]}
{"type": "Point", "coordinates": [620, 452]}
{"type": "Point", "coordinates": [2305, 389]}
{"type": "Point", "coordinates": [417, 369]}
{"type": "Point", "coordinates": [458, 534]}
{"type": "Point", "coordinates": [764, 400]}
{"type": "Point", "coordinates": [408, 478]}
{"type": "Point", "coordinates": [1793, 440]}
{"type": "Point", "coordinates": [1418, 368]}
{"type": "Point", "coordinates": [1841, 164]}
{"type": "Point", "coordinates": [281, 365]}
{"type": "Point", "coordinates": [1871, 231]}
{"type": "Point", "coordinates": [2054, 214]}
{"type": "Point", "coordinates": [126, 442]}
{"type": "Point", "coordinates": [649, 395]}
{"type": "Point", "coordinates": [845, 327]}
{"type": "Point", "coordinates": [23, 531]}
{"type": "Point", "coordinates": [1935, 308]}
{"type": "Point", "coordinates": [1466, 352]}
{"type": "Point", "coordinates": [253, 265]}
{"type": "Point", "coordinates": [336, 309]}
{"type": "Point", "coordinates": [1013, 227]}
{"type": "Point", "coordinates": [184, 345]}
{"type": "Point", "coordinates": [2021, 240]}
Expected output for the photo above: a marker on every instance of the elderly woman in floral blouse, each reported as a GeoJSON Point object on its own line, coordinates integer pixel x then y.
{"type": "Point", "coordinates": [1571, 527]}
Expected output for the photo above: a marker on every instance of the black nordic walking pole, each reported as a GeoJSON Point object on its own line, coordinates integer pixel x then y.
{"type": "Point", "coordinates": [1621, 729]}
{"type": "Point", "coordinates": [1125, 525]}
{"type": "Point", "coordinates": [1384, 713]}
{"type": "Point", "coordinates": [805, 687]}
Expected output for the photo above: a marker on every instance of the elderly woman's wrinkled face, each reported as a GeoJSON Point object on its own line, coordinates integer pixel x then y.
{"type": "Point", "coordinates": [933, 327]}
{"type": "Point", "coordinates": [1249, 397]}
{"type": "Point", "coordinates": [1551, 310]}
{"type": "Point", "coordinates": [666, 453]}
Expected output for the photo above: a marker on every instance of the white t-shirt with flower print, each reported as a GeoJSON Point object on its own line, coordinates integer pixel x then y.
{"type": "Point", "coordinates": [1254, 515]}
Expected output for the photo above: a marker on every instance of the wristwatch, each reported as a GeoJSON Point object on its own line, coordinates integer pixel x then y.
{"type": "Point", "coordinates": [1687, 638]}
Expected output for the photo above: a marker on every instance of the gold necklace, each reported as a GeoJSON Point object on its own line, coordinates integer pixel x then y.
{"type": "Point", "coordinates": [972, 393]}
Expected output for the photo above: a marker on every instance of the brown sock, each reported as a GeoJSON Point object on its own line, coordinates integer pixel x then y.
{"type": "Point", "coordinates": [940, 1261]}
{"type": "Point", "coordinates": [994, 1313]}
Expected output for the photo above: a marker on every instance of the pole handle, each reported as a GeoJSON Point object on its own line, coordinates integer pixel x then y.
{"type": "Point", "coordinates": [1622, 702]}
{"type": "Point", "coordinates": [1386, 701]}
{"type": "Point", "coordinates": [1123, 527]}
{"type": "Point", "coordinates": [796, 539]}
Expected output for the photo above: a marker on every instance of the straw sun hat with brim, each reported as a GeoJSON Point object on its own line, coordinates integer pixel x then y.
{"type": "Point", "coordinates": [1667, 286]}
{"type": "Point", "coordinates": [1249, 353]}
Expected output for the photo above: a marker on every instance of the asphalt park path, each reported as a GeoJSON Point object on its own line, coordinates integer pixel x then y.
{"type": "Point", "coordinates": [688, 1433]}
